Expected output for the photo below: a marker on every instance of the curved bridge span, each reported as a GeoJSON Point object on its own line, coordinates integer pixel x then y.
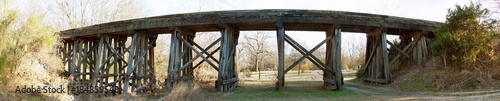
{"type": "Point", "coordinates": [97, 55]}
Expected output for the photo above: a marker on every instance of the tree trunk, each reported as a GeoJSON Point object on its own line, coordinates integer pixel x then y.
{"type": "Point", "coordinates": [257, 65]}
{"type": "Point", "coordinates": [298, 71]}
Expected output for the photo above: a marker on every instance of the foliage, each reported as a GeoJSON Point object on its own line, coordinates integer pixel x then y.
{"type": "Point", "coordinates": [359, 73]}
{"type": "Point", "coordinates": [467, 34]}
{"type": "Point", "coordinates": [6, 22]}
{"type": "Point", "coordinates": [21, 36]}
{"type": "Point", "coordinates": [472, 83]}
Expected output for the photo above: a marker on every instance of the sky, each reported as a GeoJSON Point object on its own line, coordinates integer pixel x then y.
{"type": "Point", "coordinates": [433, 10]}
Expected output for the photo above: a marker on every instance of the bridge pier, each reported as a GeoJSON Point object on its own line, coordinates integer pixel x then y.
{"type": "Point", "coordinates": [333, 79]}
{"type": "Point", "coordinates": [333, 60]}
{"type": "Point", "coordinates": [227, 79]}
{"type": "Point", "coordinates": [181, 38]}
{"type": "Point", "coordinates": [82, 61]}
{"type": "Point", "coordinates": [101, 62]}
{"type": "Point", "coordinates": [376, 67]}
{"type": "Point", "coordinates": [413, 47]}
{"type": "Point", "coordinates": [140, 65]}
{"type": "Point", "coordinates": [109, 61]}
{"type": "Point", "coordinates": [180, 65]}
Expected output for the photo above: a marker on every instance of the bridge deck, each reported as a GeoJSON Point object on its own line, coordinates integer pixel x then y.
{"type": "Point", "coordinates": [303, 20]}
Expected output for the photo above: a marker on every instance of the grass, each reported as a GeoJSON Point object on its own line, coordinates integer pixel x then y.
{"type": "Point", "coordinates": [252, 95]}
{"type": "Point", "coordinates": [35, 97]}
{"type": "Point", "coordinates": [420, 83]}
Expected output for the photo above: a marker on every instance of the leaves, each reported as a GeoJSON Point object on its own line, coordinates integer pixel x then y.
{"type": "Point", "coordinates": [22, 35]}
{"type": "Point", "coordinates": [467, 33]}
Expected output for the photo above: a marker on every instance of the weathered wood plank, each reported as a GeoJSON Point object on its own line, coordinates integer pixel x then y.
{"type": "Point", "coordinates": [281, 56]}
{"type": "Point", "coordinates": [130, 59]}
{"type": "Point", "coordinates": [267, 17]}
{"type": "Point", "coordinates": [385, 55]}
{"type": "Point", "coordinates": [338, 57]}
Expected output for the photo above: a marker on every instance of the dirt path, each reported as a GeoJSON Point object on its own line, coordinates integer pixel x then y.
{"type": "Point", "coordinates": [384, 90]}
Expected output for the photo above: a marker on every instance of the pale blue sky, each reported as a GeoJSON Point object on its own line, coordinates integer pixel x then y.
{"type": "Point", "coordinates": [434, 10]}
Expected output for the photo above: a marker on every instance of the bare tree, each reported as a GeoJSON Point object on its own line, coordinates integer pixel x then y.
{"type": "Point", "coordinates": [258, 47]}
{"type": "Point", "coordinates": [352, 55]}
{"type": "Point", "coordinates": [78, 13]}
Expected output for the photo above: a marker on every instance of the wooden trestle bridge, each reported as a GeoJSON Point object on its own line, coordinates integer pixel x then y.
{"type": "Point", "coordinates": [99, 56]}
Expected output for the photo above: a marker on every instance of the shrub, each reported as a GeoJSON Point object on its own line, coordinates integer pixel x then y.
{"type": "Point", "coordinates": [247, 72]}
{"type": "Point", "coordinates": [466, 34]}
{"type": "Point", "coordinates": [472, 83]}
{"type": "Point", "coordinates": [359, 73]}
{"type": "Point", "coordinates": [22, 36]}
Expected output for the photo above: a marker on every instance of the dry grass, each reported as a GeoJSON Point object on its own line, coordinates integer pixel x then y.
{"type": "Point", "coordinates": [188, 90]}
{"type": "Point", "coordinates": [38, 69]}
{"type": "Point", "coordinates": [434, 74]}
{"type": "Point", "coordinates": [205, 74]}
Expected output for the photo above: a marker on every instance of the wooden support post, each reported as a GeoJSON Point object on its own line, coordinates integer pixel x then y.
{"type": "Point", "coordinates": [85, 60]}
{"type": "Point", "coordinates": [98, 60]}
{"type": "Point", "coordinates": [333, 60]}
{"type": "Point", "coordinates": [152, 61]}
{"type": "Point", "coordinates": [74, 59]}
{"type": "Point", "coordinates": [385, 57]}
{"type": "Point", "coordinates": [338, 57]}
{"type": "Point", "coordinates": [281, 56]}
{"type": "Point", "coordinates": [188, 55]}
{"type": "Point", "coordinates": [130, 60]}
{"type": "Point", "coordinates": [173, 59]}
{"type": "Point", "coordinates": [227, 79]}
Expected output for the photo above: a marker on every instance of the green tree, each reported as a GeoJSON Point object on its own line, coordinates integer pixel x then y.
{"type": "Point", "coordinates": [21, 36]}
{"type": "Point", "coordinates": [467, 34]}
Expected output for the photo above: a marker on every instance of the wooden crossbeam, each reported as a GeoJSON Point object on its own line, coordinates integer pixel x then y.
{"type": "Point", "coordinates": [197, 56]}
{"type": "Point", "coordinates": [404, 50]}
{"type": "Point", "coordinates": [399, 50]}
{"type": "Point", "coordinates": [308, 53]}
{"type": "Point", "coordinates": [196, 51]}
{"type": "Point", "coordinates": [120, 56]}
{"type": "Point", "coordinates": [212, 53]}
{"type": "Point", "coordinates": [309, 56]}
{"type": "Point", "coordinates": [206, 52]}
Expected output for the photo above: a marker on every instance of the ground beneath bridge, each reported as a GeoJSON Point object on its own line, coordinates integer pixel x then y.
{"type": "Point", "coordinates": [308, 86]}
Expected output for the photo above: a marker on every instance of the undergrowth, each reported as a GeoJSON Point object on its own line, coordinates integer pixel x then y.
{"type": "Point", "coordinates": [420, 83]}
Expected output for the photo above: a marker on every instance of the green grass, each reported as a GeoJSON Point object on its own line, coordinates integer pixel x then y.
{"type": "Point", "coordinates": [419, 83]}
{"type": "Point", "coordinates": [35, 97]}
{"type": "Point", "coordinates": [250, 95]}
